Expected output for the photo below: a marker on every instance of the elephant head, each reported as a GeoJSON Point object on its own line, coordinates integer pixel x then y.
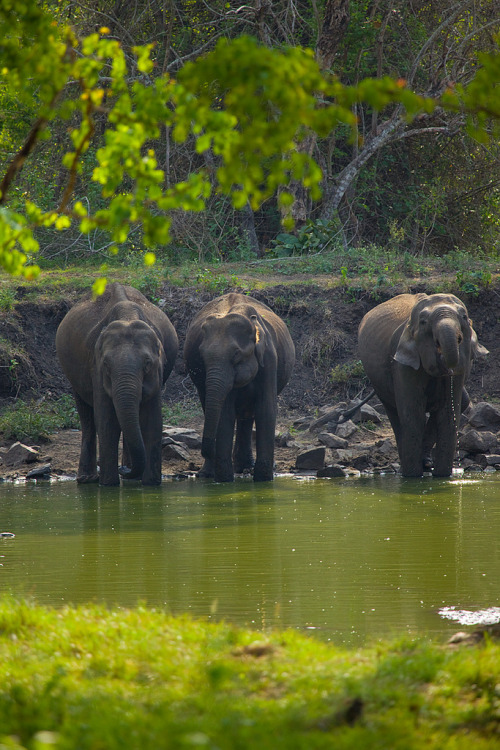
{"type": "Point", "coordinates": [232, 348]}
{"type": "Point", "coordinates": [438, 337]}
{"type": "Point", "coordinates": [129, 360]}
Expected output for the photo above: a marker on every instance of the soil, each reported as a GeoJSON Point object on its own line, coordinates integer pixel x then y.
{"type": "Point", "coordinates": [323, 321]}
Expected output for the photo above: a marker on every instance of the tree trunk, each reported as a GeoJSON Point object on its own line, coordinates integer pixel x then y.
{"type": "Point", "coordinates": [334, 27]}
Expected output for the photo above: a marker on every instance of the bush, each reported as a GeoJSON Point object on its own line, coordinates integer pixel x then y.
{"type": "Point", "coordinates": [36, 420]}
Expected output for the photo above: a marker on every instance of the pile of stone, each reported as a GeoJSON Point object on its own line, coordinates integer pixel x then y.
{"type": "Point", "coordinates": [339, 448]}
{"type": "Point", "coordinates": [479, 438]}
{"type": "Point", "coordinates": [346, 447]}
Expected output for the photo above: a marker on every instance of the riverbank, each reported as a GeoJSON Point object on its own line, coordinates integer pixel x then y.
{"type": "Point", "coordinates": [88, 677]}
{"type": "Point", "coordinates": [321, 312]}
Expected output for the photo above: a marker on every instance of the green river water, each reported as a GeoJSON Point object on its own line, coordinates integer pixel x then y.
{"type": "Point", "coordinates": [345, 560]}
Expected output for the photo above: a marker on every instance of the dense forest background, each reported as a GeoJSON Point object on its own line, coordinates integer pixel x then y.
{"type": "Point", "coordinates": [425, 186]}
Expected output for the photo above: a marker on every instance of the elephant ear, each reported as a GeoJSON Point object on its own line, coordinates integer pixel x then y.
{"type": "Point", "coordinates": [260, 339]}
{"type": "Point", "coordinates": [478, 350]}
{"type": "Point", "coordinates": [407, 351]}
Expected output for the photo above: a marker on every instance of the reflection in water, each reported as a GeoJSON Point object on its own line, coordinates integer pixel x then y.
{"type": "Point", "coordinates": [347, 560]}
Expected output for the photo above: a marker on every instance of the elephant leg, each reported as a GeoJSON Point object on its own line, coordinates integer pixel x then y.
{"type": "Point", "coordinates": [447, 420]}
{"type": "Point", "coordinates": [108, 431]}
{"type": "Point", "coordinates": [242, 454]}
{"type": "Point", "coordinates": [223, 470]}
{"type": "Point", "coordinates": [430, 436]}
{"type": "Point", "coordinates": [411, 405]}
{"type": "Point", "coordinates": [392, 413]}
{"type": "Point", "coordinates": [151, 428]}
{"type": "Point", "coordinates": [266, 410]}
{"type": "Point", "coordinates": [207, 470]}
{"type": "Point", "coordinates": [87, 467]}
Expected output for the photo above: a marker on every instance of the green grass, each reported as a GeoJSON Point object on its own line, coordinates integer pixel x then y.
{"type": "Point", "coordinates": [90, 678]}
{"type": "Point", "coordinates": [355, 269]}
{"type": "Point", "coordinates": [179, 413]}
{"type": "Point", "coordinates": [36, 420]}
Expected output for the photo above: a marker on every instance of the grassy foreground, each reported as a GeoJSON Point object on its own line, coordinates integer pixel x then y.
{"type": "Point", "coordinates": [87, 677]}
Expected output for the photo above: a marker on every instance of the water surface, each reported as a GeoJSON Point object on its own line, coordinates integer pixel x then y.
{"type": "Point", "coordinates": [346, 560]}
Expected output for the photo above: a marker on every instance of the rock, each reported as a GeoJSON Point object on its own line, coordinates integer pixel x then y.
{"type": "Point", "coordinates": [346, 429]}
{"type": "Point", "coordinates": [331, 471]}
{"type": "Point", "coordinates": [284, 439]}
{"type": "Point", "coordinates": [492, 459]}
{"type": "Point", "coordinates": [340, 407]}
{"type": "Point", "coordinates": [361, 463]}
{"type": "Point", "coordinates": [191, 438]}
{"type": "Point", "coordinates": [480, 460]}
{"type": "Point", "coordinates": [366, 413]}
{"type": "Point", "coordinates": [473, 441]}
{"type": "Point", "coordinates": [303, 423]}
{"type": "Point", "coordinates": [386, 447]}
{"type": "Point", "coordinates": [175, 450]}
{"type": "Point", "coordinates": [471, 468]}
{"type": "Point", "coordinates": [332, 441]}
{"type": "Point", "coordinates": [40, 472]}
{"type": "Point", "coordinates": [311, 460]}
{"type": "Point", "coordinates": [485, 416]}
{"type": "Point", "coordinates": [345, 455]}
{"type": "Point", "coordinates": [19, 454]}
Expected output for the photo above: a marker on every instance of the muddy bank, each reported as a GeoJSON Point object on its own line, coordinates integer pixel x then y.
{"type": "Point", "coordinates": [323, 323]}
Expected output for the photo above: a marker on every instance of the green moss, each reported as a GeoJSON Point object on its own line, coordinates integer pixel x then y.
{"type": "Point", "coordinates": [88, 677]}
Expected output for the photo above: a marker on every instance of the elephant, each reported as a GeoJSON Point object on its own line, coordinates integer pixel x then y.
{"type": "Point", "coordinates": [239, 355]}
{"type": "Point", "coordinates": [417, 351]}
{"type": "Point", "coordinates": [117, 352]}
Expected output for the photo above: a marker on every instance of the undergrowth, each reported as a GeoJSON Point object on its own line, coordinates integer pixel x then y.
{"type": "Point", "coordinates": [36, 420]}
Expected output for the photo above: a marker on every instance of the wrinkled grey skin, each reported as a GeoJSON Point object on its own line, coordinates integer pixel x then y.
{"type": "Point", "coordinates": [417, 351]}
{"type": "Point", "coordinates": [239, 355]}
{"type": "Point", "coordinates": [117, 352]}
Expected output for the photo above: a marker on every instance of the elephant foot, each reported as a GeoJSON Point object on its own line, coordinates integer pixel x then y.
{"type": "Point", "coordinates": [151, 481]}
{"type": "Point", "coordinates": [427, 463]}
{"type": "Point", "coordinates": [442, 472]}
{"type": "Point", "coordinates": [263, 473]}
{"type": "Point", "coordinates": [129, 474]}
{"type": "Point", "coordinates": [87, 478]}
{"type": "Point", "coordinates": [240, 467]}
{"type": "Point", "coordinates": [207, 470]}
{"type": "Point", "coordinates": [224, 478]}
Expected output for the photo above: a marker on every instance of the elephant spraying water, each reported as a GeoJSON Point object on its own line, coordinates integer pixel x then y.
{"type": "Point", "coordinates": [417, 351]}
{"type": "Point", "coordinates": [239, 354]}
{"type": "Point", "coordinates": [117, 352]}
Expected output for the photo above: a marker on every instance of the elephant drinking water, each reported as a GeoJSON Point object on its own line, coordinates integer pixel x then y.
{"type": "Point", "coordinates": [417, 350]}
{"type": "Point", "coordinates": [239, 355]}
{"type": "Point", "coordinates": [117, 352]}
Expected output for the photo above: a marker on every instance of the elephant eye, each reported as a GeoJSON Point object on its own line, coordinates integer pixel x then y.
{"type": "Point", "coordinates": [148, 364]}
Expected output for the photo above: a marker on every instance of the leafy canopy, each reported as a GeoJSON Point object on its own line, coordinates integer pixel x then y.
{"type": "Point", "coordinates": [248, 104]}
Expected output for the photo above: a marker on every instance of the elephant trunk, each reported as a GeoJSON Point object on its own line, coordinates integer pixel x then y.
{"type": "Point", "coordinates": [217, 387]}
{"type": "Point", "coordinates": [126, 400]}
{"type": "Point", "coordinates": [447, 337]}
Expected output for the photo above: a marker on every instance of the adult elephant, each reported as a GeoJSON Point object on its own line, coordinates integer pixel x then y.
{"type": "Point", "coordinates": [239, 355]}
{"type": "Point", "coordinates": [117, 352]}
{"type": "Point", "coordinates": [417, 350]}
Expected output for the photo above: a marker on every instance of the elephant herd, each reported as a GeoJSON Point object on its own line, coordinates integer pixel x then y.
{"type": "Point", "coordinates": [118, 350]}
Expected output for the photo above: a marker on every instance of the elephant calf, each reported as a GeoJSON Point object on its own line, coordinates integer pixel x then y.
{"type": "Point", "coordinates": [117, 352]}
{"type": "Point", "coordinates": [417, 350]}
{"type": "Point", "coordinates": [239, 355]}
